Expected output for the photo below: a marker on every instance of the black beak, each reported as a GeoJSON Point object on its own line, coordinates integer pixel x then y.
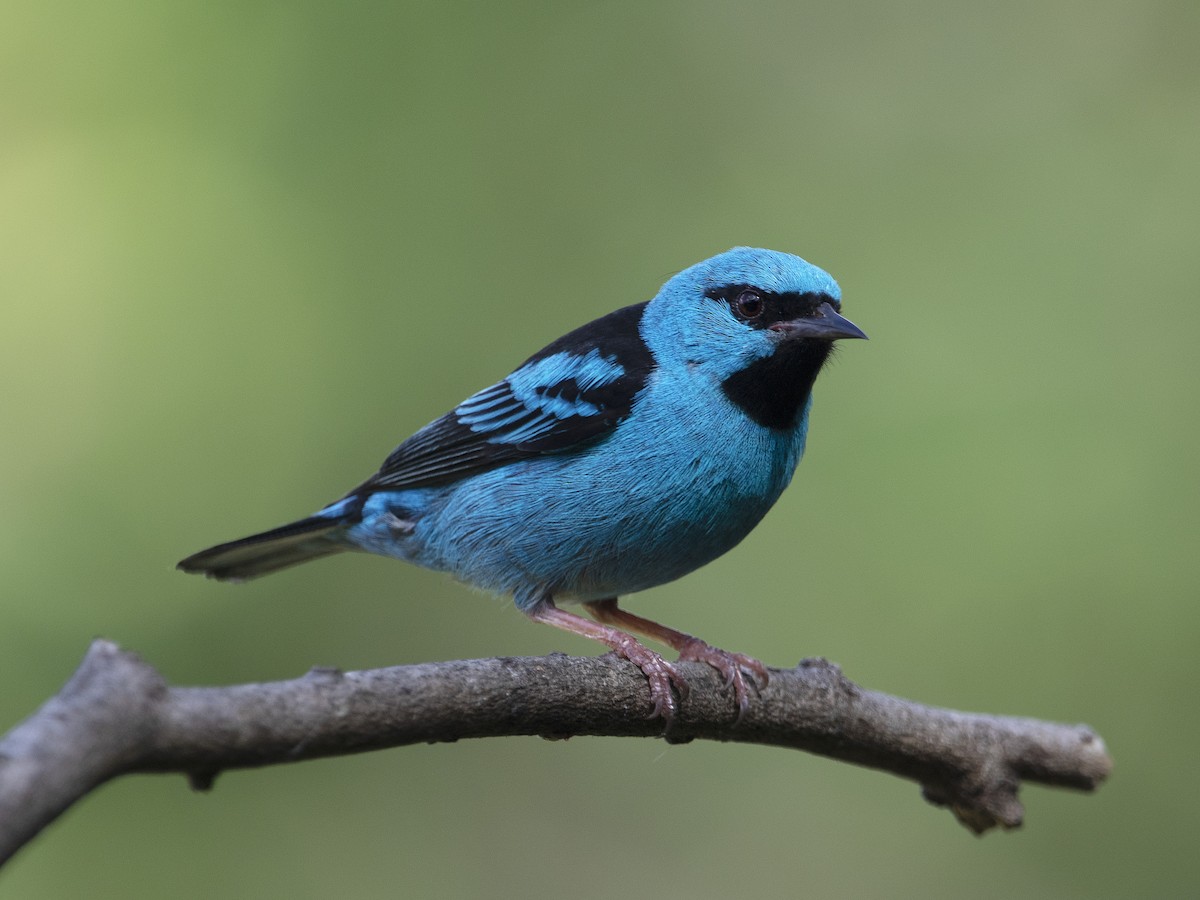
{"type": "Point", "coordinates": [824, 325]}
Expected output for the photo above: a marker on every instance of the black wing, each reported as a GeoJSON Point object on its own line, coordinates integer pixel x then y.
{"type": "Point", "coordinates": [568, 394]}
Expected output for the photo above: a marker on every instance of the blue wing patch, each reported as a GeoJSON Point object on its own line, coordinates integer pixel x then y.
{"type": "Point", "coordinates": [569, 394]}
{"type": "Point", "coordinates": [540, 397]}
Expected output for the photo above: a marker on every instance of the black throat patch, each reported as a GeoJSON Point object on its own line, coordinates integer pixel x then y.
{"type": "Point", "coordinates": [772, 391]}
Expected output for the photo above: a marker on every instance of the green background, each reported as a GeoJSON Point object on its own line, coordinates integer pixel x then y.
{"type": "Point", "coordinates": [245, 248]}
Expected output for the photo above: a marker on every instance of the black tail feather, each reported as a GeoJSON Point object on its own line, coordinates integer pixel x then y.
{"type": "Point", "coordinates": [270, 551]}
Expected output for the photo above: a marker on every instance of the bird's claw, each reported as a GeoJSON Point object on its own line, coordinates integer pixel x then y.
{"type": "Point", "coordinates": [664, 679]}
{"type": "Point", "coordinates": [734, 666]}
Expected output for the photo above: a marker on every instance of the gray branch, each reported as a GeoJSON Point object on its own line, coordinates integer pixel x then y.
{"type": "Point", "coordinates": [118, 716]}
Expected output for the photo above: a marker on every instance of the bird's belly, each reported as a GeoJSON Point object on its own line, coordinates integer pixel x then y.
{"type": "Point", "coordinates": [579, 527]}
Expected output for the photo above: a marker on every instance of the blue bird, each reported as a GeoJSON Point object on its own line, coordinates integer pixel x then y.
{"type": "Point", "coordinates": [624, 455]}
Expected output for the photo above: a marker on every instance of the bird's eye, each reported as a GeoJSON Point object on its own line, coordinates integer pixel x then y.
{"type": "Point", "coordinates": [748, 305]}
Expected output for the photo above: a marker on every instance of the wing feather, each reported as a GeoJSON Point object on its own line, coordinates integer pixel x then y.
{"type": "Point", "coordinates": [573, 392]}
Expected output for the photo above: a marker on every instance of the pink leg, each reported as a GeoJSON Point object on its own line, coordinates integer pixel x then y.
{"type": "Point", "coordinates": [659, 673]}
{"type": "Point", "coordinates": [734, 666]}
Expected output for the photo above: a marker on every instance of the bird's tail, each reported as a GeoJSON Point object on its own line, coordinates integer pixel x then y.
{"type": "Point", "coordinates": [270, 551]}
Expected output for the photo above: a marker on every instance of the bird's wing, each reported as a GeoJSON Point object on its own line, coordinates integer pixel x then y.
{"type": "Point", "coordinates": [569, 394]}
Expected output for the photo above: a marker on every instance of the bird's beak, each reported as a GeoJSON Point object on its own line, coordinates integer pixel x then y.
{"type": "Point", "coordinates": [824, 325]}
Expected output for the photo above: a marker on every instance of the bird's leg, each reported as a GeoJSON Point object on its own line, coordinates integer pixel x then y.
{"type": "Point", "coordinates": [659, 673]}
{"type": "Point", "coordinates": [734, 666]}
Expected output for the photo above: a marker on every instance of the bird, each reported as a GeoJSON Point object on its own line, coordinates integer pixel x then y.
{"type": "Point", "coordinates": [621, 456]}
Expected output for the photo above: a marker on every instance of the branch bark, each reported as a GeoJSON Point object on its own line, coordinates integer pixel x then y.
{"type": "Point", "coordinates": [117, 716]}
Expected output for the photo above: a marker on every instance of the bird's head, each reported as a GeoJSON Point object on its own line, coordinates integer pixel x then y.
{"type": "Point", "coordinates": [759, 322]}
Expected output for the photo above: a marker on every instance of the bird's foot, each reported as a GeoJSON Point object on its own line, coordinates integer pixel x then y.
{"type": "Point", "coordinates": [734, 666]}
{"type": "Point", "coordinates": [660, 674]}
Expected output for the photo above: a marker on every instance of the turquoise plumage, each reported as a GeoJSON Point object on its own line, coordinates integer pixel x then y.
{"type": "Point", "coordinates": [623, 455]}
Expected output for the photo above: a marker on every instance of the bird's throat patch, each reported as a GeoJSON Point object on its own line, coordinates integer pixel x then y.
{"type": "Point", "coordinates": [773, 391]}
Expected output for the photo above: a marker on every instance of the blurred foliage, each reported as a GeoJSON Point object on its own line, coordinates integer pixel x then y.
{"type": "Point", "coordinates": [248, 247]}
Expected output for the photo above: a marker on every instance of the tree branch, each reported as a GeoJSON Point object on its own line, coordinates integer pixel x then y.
{"type": "Point", "coordinates": [117, 715]}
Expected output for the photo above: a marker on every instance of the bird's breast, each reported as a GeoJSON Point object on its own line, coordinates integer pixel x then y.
{"type": "Point", "coordinates": [676, 485]}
